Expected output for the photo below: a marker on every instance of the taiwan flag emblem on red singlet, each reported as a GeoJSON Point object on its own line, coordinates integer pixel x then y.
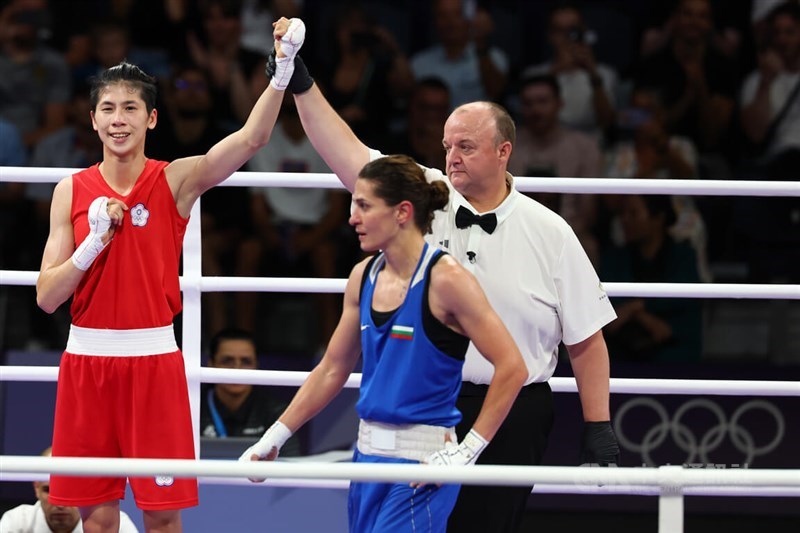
{"type": "Point", "coordinates": [405, 333]}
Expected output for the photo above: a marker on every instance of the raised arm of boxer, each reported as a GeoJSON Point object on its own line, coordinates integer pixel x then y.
{"type": "Point", "coordinates": [333, 139]}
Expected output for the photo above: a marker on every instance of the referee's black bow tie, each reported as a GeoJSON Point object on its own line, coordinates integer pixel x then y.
{"type": "Point", "coordinates": [465, 218]}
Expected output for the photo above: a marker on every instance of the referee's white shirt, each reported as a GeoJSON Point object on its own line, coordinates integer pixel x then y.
{"type": "Point", "coordinates": [535, 274]}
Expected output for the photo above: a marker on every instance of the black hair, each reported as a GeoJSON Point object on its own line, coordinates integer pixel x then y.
{"type": "Point", "coordinates": [398, 178]}
{"type": "Point", "coordinates": [228, 334]}
{"type": "Point", "coordinates": [128, 74]}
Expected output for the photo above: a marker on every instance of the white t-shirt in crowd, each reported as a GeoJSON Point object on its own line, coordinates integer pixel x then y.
{"type": "Point", "coordinates": [787, 136]}
{"type": "Point", "coordinates": [291, 204]}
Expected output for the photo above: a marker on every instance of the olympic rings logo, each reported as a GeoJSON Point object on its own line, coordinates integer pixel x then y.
{"type": "Point", "coordinates": [698, 446]}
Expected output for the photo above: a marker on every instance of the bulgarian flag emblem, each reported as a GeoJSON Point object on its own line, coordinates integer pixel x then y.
{"type": "Point", "coordinates": [405, 333]}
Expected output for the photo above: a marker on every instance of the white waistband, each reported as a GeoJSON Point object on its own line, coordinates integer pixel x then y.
{"type": "Point", "coordinates": [121, 342]}
{"type": "Point", "coordinates": [408, 441]}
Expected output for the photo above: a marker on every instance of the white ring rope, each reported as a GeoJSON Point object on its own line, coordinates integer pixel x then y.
{"type": "Point", "coordinates": [525, 184]}
{"type": "Point", "coordinates": [555, 488]}
{"type": "Point", "coordinates": [284, 378]}
{"type": "Point", "coordinates": [664, 477]}
{"type": "Point", "coordinates": [614, 289]}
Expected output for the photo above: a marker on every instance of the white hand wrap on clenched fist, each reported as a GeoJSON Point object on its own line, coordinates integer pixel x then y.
{"type": "Point", "coordinates": [290, 45]}
{"type": "Point", "coordinates": [92, 245]}
{"type": "Point", "coordinates": [274, 438]}
{"type": "Point", "coordinates": [465, 453]}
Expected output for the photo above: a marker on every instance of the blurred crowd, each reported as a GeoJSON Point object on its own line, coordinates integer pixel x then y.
{"type": "Point", "coordinates": [674, 89]}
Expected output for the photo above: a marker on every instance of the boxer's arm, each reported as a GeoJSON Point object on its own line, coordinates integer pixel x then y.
{"type": "Point", "coordinates": [333, 139]}
{"type": "Point", "coordinates": [58, 276]}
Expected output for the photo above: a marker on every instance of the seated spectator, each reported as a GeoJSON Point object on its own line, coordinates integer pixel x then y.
{"type": "Point", "coordinates": [428, 109]}
{"type": "Point", "coordinates": [367, 75]}
{"type": "Point", "coordinates": [42, 517]}
{"type": "Point", "coordinates": [588, 89]}
{"type": "Point", "coordinates": [34, 78]}
{"type": "Point", "coordinates": [231, 410]}
{"type": "Point", "coordinates": [696, 80]}
{"type": "Point", "coordinates": [546, 148]}
{"type": "Point", "coordinates": [295, 227]}
{"type": "Point", "coordinates": [463, 59]}
{"type": "Point", "coordinates": [659, 329]}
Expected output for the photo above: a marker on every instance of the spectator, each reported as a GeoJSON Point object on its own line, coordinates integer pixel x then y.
{"type": "Point", "coordinates": [34, 79]}
{"type": "Point", "coordinates": [428, 109]}
{"type": "Point", "coordinates": [646, 150]}
{"type": "Point", "coordinates": [236, 410]}
{"type": "Point", "coordinates": [588, 89]}
{"type": "Point", "coordinates": [546, 148]}
{"type": "Point", "coordinates": [369, 73]}
{"type": "Point", "coordinates": [770, 96]}
{"type": "Point", "coordinates": [771, 121]}
{"type": "Point", "coordinates": [43, 517]}
{"type": "Point", "coordinates": [236, 74]}
{"type": "Point", "coordinates": [660, 329]}
{"type": "Point", "coordinates": [697, 80]}
{"type": "Point", "coordinates": [72, 146]}
{"type": "Point", "coordinates": [463, 59]}
{"type": "Point", "coordinates": [111, 44]}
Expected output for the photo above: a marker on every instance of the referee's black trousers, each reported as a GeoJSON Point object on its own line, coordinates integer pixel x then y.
{"type": "Point", "coordinates": [521, 440]}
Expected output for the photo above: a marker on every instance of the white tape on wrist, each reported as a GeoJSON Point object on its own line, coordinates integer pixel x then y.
{"type": "Point", "coordinates": [275, 437]}
{"type": "Point", "coordinates": [284, 69]}
{"type": "Point", "coordinates": [474, 444]}
{"type": "Point", "coordinates": [92, 245]}
{"type": "Point", "coordinates": [290, 45]}
{"type": "Point", "coordinates": [465, 453]}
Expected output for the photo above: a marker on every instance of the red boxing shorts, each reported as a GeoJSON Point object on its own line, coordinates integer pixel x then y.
{"type": "Point", "coordinates": [123, 393]}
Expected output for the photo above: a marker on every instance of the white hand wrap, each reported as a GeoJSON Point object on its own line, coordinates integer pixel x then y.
{"type": "Point", "coordinates": [465, 453]}
{"type": "Point", "coordinates": [92, 245]}
{"type": "Point", "coordinates": [275, 437]}
{"type": "Point", "coordinates": [290, 45]}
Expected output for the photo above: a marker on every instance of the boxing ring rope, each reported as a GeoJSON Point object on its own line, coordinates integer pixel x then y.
{"type": "Point", "coordinates": [581, 479]}
{"type": "Point", "coordinates": [670, 483]}
{"type": "Point", "coordinates": [524, 184]}
{"type": "Point", "coordinates": [614, 289]}
{"type": "Point", "coordinates": [293, 378]}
